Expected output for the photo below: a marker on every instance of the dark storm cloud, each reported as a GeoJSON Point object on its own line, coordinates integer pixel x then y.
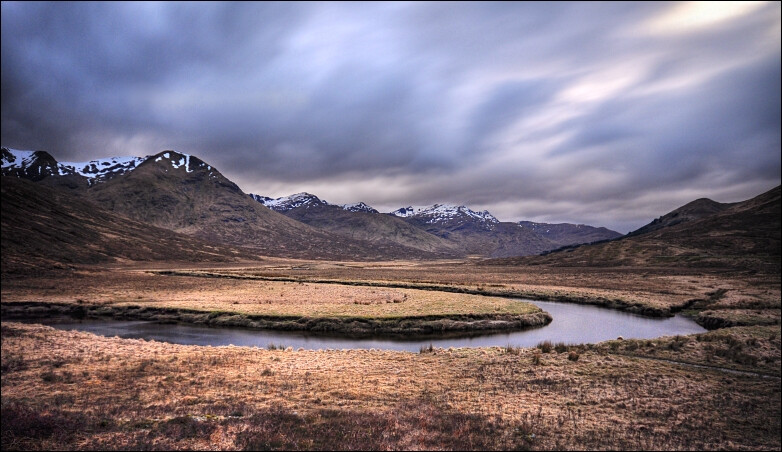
{"type": "Point", "coordinates": [604, 113]}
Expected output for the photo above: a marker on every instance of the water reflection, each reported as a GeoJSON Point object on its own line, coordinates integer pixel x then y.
{"type": "Point", "coordinates": [572, 324]}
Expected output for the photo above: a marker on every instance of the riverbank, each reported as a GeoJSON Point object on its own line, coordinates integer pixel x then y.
{"type": "Point", "coordinates": [279, 305]}
{"type": "Point", "coordinates": [407, 327]}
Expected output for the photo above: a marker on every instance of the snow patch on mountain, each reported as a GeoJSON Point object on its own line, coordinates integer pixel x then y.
{"type": "Point", "coordinates": [17, 158]}
{"type": "Point", "coordinates": [439, 213]}
{"type": "Point", "coordinates": [101, 169]}
{"type": "Point", "coordinates": [358, 207]}
{"type": "Point", "coordinates": [286, 203]}
{"type": "Point", "coordinates": [180, 159]}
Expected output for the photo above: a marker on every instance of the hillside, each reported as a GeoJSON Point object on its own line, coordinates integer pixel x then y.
{"type": "Point", "coordinates": [361, 224]}
{"type": "Point", "coordinates": [742, 236]}
{"type": "Point", "coordinates": [695, 210]}
{"type": "Point", "coordinates": [564, 234]}
{"type": "Point", "coordinates": [51, 229]}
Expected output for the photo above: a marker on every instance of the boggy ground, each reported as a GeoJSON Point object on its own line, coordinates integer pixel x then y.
{"type": "Point", "coordinates": [72, 390]}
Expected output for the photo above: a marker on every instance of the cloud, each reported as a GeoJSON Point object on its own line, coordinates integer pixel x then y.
{"type": "Point", "coordinates": [605, 113]}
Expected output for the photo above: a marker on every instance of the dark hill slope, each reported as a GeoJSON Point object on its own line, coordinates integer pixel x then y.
{"type": "Point", "coordinates": [695, 210]}
{"type": "Point", "coordinates": [742, 236]}
{"type": "Point", "coordinates": [45, 229]}
{"type": "Point", "coordinates": [564, 234]}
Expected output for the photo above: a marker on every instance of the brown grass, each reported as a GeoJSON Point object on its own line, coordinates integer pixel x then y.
{"type": "Point", "coordinates": [67, 390]}
{"type": "Point", "coordinates": [76, 390]}
{"type": "Point", "coordinates": [274, 298]}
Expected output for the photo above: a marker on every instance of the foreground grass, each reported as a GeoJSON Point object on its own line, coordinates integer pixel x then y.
{"type": "Point", "coordinates": [67, 390]}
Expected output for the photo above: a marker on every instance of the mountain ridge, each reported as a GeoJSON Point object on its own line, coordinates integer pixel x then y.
{"type": "Point", "coordinates": [742, 236]}
{"type": "Point", "coordinates": [182, 193]}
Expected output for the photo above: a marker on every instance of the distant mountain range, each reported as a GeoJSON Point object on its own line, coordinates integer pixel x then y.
{"type": "Point", "coordinates": [174, 205]}
{"type": "Point", "coordinates": [447, 229]}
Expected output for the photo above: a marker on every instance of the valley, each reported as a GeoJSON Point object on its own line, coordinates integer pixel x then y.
{"type": "Point", "coordinates": [168, 239]}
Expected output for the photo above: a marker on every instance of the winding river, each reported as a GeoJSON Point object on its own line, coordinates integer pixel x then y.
{"type": "Point", "coordinates": [572, 324]}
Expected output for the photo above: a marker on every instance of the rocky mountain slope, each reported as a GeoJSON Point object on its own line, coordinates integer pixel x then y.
{"type": "Point", "coordinates": [185, 194]}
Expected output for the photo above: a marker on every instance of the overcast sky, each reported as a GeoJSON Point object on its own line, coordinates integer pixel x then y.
{"type": "Point", "coordinates": [606, 114]}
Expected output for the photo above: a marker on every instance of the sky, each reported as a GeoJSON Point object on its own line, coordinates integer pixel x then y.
{"type": "Point", "coordinates": [608, 114]}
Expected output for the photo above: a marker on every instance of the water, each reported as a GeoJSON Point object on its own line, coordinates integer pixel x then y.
{"type": "Point", "coordinates": [572, 324]}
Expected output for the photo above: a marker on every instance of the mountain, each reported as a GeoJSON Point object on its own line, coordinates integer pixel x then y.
{"type": "Point", "coordinates": [32, 165]}
{"type": "Point", "coordinates": [182, 193]}
{"type": "Point", "coordinates": [40, 165]}
{"type": "Point", "coordinates": [358, 207]}
{"type": "Point", "coordinates": [565, 234]}
{"type": "Point", "coordinates": [101, 170]}
{"type": "Point", "coordinates": [46, 229]}
{"type": "Point", "coordinates": [307, 200]}
{"type": "Point", "coordinates": [475, 233]}
{"type": "Point", "coordinates": [445, 213]}
{"type": "Point", "coordinates": [371, 226]}
{"type": "Point", "coordinates": [695, 210]}
{"type": "Point", "coordinates": [737, 236]}
{"type": "Point", "coordinates": [287, 203]}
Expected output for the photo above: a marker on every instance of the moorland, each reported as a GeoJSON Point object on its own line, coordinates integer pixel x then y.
{"type": "Point", "coordinates": [65, 251]}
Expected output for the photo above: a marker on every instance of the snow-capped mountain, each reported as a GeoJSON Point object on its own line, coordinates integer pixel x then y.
{"type": "Point", "coordinates": [100, 170]}
{"type": "Point", "coordinates": [36, 165]}
{"type": "Point", "coordinates": [181, 192]}
{"type": "Point", "coordinates": [307, 200]}
{"type": "Point", "coordinates": [358, 207]}
{"type": "Point", "coordinates": [33, 165]}
{"type": "Point", "coordinates": [17, 158]}
{"type": "Point", "coordinates": [440, 213]}
{"type": "Point", "coordinates": [261, 199]}
{"type": "Point", "coordinates": [474, 233]}
{"type": "Point", "coordinates": [286, 203]}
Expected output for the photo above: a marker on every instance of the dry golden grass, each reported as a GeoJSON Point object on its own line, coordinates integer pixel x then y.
{"type": "Point", "coordinates": [669, 288]}
{"type": "Point", "coordinates": [746, 349]}
{"type": "Point", "coordinates": [274, 298]}
{"type": "Point", "coordinates": [76, 390]}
